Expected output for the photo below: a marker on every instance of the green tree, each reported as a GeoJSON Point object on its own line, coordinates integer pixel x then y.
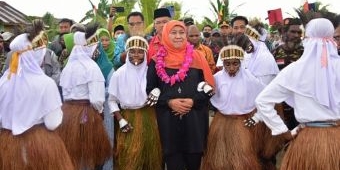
{"type": "Point", "coordinates": [147, 7]}
{"type": "Point", "coordinates": [49, 19]}
{"type": "Point", "coordinates": [99, 15]}
{"type": "Point", "coordinates": [177, 9]}
{"type": "Point", "coordinates": [120, 18]}
{"type": "Point", "coordinates": [220, 10]}
{"type": "Point", "coordinates": [51, 25]}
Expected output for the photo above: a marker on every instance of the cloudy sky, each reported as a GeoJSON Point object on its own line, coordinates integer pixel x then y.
{"type": "Point", "coordinates": [75, 10]}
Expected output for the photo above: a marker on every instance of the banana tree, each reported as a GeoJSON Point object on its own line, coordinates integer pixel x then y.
{"type": "Point", "coordinates": [177, 12]}
{"type": "Point", "coordinates": [120, 18]}
{"type": "Point", "coordinates": [147, 7]}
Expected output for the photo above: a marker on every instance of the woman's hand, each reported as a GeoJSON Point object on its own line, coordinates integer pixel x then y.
{"type": "Point", "coordinates": [181, 106]}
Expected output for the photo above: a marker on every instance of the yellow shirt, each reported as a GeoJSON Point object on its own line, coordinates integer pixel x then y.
{"type": "Point", "coordinates": [208, 55]}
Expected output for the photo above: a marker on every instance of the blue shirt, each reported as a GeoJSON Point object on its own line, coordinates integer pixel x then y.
{"type": "Point", "coordinates": [119, 49]}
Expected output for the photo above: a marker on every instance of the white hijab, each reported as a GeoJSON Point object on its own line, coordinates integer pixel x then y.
{"type": "Point", "coordinates": [236, 95]}
{"type": "Point", "coordinates": [261, 62]}
{"type": "Point", "coordinates": [128, 84]}
{"type": "Point", "coordinates": [316, 74]}
{"type": "Point", "coordinates": [28, 95]}
{"type": "Point", "coordinates": [80, 68]}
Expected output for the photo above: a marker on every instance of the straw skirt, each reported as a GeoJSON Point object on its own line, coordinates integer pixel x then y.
{"type": "Point", "coordinates": [35, 149]}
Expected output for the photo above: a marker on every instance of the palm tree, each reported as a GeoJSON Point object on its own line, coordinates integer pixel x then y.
{"type": "Point", "coordinates": [222, 13]}
{"type": "Point", "coordinates": [221, 10]}
{"type": "Point", "coordinates": [99, 14]}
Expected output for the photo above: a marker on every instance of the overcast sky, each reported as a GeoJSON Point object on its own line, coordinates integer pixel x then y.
{"type": "Point", "coordinates": [197, 8]}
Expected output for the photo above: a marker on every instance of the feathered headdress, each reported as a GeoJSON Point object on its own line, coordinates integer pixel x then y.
{"type": "Point", "coordinates": [136, 42]}
{"type": "Point", "coordinates": [90, 33]}
{"type": "Point", "coordinates": [36, 34]}
{"type": "Point", "coordinates": [317, 12]}
{"type": "Point", "coordinates": [231, 52]}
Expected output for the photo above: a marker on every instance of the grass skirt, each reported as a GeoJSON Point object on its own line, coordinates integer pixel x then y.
{"type": "Point", "coordinates": [139, 149]}
{"type": "Point", "coordinates": [314, 148]}
{"type": "Point", "coordinates": [267, 146]}
{"type": "Point", "coordinates": [35, 149]}
{"type": "Point", "coordinates": [84, 135]}
{"type": "Point", "coordinates": [230, 145]}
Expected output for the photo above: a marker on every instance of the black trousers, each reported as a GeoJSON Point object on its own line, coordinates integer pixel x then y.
{"type": "Point", "coordinates": [183, 161]}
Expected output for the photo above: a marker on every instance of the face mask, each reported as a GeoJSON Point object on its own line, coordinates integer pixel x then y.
{"type": "Point", "coordinates": [117, 35]}
{"type": "Point", "coordinates": [206, 34]}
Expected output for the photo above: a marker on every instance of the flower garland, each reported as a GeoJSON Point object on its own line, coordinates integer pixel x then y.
{"type": "Point", "coordinates": [181, 73]}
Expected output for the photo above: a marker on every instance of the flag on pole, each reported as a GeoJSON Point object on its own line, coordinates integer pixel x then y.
{"type": "Point", "coordinates": [305, 6]}
{"type": "Point", "coordinates": [274, 16]}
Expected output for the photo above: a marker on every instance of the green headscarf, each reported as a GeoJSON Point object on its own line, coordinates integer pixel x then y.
{"type": "Point", "coordinates": [109, 51]}
{"type": "Point", "coordinates": [103, 62]}
{"type": "Point", "coordinates": [69, 43]}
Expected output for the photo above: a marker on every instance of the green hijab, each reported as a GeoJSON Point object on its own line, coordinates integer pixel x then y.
{"type": "Point", "coordinates": [104, 64]}
{"type": "Point", "coordinates": [69, 43]}
{"type": "Point", "coordinates": [109, 51]}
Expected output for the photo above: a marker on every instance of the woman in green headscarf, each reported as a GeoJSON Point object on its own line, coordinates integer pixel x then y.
{"type": "Point", "coordinates": [104, 64]}
{"type": "Point", "coordinates": [106, 48]}
{"type": "Point", "coordinates": [107, 42]}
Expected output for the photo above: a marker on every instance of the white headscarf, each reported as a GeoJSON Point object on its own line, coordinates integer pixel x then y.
{"type": "Point", "coordinates": [316, 74]}
{"type": "Point", "coordinates": [236, 95]}
{"type": "Point", "coordinates": [27, 95]}
{"type": "Point", "coordinates": [261, 62]}
{"type": "Point", "coordinates": [80, 68]}
{"type": "Point", "coordinates": [264, 35]}
{"type": "Point", "coordinates": [128, 83]}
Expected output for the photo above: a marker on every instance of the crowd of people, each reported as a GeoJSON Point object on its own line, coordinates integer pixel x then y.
{"type": "Point", "coordinates": [101, 98]}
